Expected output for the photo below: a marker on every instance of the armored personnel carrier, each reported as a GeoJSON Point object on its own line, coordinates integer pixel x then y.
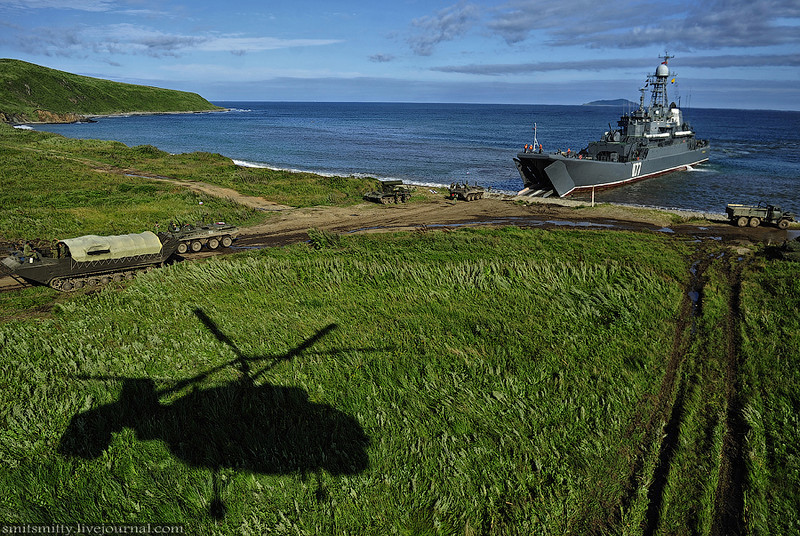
{"type": "Point", "coordinates": [391, 192]}
{"type": "Point", "coordinates": [212, 235]}
{"type": "Point", "coordinates": [90, 261]}
{"type": "Point", "coordinates": [466, 192]}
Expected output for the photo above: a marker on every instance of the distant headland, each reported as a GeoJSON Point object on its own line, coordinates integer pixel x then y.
{"type": "Point", "coordinates": [34, 94]}
{"type": "Point", "coordinates": [614, 102]}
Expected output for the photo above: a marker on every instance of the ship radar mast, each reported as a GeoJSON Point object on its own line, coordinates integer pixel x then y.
{"type": "Point", "coordinates": [658, 96]}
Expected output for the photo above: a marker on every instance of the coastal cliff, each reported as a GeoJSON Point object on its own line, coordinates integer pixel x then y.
{"type": "Point", "coordinates": [31, 93]}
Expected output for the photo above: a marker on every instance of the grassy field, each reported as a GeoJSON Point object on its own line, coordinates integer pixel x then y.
{"type": "Point", "coordinates": [770, 389]}
{"type": "Point", "coordinates": [480, 382]}
{"type": "Point", "coordinates": [412, 383]}
{"type": "Point", "coordinates": [29, 89]}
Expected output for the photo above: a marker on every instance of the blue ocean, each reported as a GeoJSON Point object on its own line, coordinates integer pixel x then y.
{"type": "Point", "coordinates": [754, 157]}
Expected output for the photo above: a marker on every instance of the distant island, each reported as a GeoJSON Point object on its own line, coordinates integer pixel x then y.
{"type": "Point", "coordinates": [31, 93]}
{"type": "Point", "coordinates": [614, 102]}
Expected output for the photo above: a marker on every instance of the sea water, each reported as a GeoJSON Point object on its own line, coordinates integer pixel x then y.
{"type": "Point", "coordinates": [754, 155]}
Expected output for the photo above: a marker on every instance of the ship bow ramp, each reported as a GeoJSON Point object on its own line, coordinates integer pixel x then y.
{"type": "Point", "coordinates": [560, 178]}
{"type": "Point", "coordinates": [543, 177]}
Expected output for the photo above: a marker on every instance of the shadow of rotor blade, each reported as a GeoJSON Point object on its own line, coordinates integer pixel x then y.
{"type": "Point", "coordinates": [213, 328]}
{"type": "Point", "coordinates": [310, 341]}
{"type": "Point", "coordinates": [294, 352]}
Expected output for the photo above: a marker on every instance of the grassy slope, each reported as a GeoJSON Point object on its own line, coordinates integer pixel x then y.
{"type": "Point", "coordinates": [25, 88]}
{"type": "Point", "coordinates": [56, 187]}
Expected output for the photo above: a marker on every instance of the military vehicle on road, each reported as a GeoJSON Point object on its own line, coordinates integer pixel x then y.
{"type": "Point", "coordinates": [390, 192]}
{"type": "Point", "coordinates": [466, 192]}
{"type": "Point", "coordinates": [90, 261]}
{"type": "Point", "coordinates": [754, 215]}
{"type": "Point", "coordinates": [212, 235]}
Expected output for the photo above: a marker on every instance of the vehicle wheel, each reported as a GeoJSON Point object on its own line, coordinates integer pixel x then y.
{"type": "Point", "coordinates": [227, 241]}
{"type": "Point", "coordinates": [92, 282]}
{"type": "Point", "coordinates": [213, 243]}
{"type": "Point", "coordinates": [66, 286]}
{"type": "Point", "coordinates": [117, 278]}
{"type": "Point", "coordinates": [742, 221]}
{"type": "Point", "coordinates": [754, 222]}
{"type": "Point", "coordinates": [783, 224]}
{"type": "Point", "coordinates": [196, 246]}
{"type": "Point", "coordinates": [182, 248]}
{"type": "Point", "coordinates": [105, 280]}
{"type": "Point", "coordinates": [79, 284]}
{"type": "Point", "coordinates": [129, 275]}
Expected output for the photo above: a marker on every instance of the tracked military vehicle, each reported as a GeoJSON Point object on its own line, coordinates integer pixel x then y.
{"type": "Point", "coordinates": [212, 235]}
{"type": "Point", "coordinates": [390, 192]}
{"type": "Point", "coordinates": [91, 261]}
{"type": "Point", "coordinates": [466, 192]}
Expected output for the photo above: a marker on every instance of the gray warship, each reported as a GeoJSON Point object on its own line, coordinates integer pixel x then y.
{"type": "Point", "coordinates": [650, 141]}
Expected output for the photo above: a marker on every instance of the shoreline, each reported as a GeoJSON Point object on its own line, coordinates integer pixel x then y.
{"type": "Point", "coordinates": [92, 118]}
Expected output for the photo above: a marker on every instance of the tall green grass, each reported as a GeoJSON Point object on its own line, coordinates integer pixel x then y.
{"type": "Point", "coordinates": [490, 372]}
{"type": "Point", "coordinates": [771, 393]}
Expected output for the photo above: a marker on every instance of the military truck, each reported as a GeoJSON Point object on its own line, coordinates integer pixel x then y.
{"type": "Point", "coordinates": [91, 260]}
{"type": "Point", "coordinates": [212, 235]}
{"type": "Point", "coordinates": [754, 215]}
{"type": "Point", "coordinates": [465, 191]}
{"type": "Point", "coordinates": [390, 192]}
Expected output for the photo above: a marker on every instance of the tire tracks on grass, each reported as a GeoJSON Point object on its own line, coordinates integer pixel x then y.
{"type": "Point", "coordinates": [653, 410]}
{"type": "Point", "coordinates": [728, 508]}
{"type": "Point", "coordinates": [729, 497]}
{"type": "Point", "coordinates": [671, 432]}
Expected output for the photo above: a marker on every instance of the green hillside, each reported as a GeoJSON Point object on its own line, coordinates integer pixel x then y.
{"type": "Point", "coordinates": [31, 93]}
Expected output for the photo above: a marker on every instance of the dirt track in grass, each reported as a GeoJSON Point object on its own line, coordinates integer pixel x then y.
{"type": "Point", "coordinates": [288, 225]}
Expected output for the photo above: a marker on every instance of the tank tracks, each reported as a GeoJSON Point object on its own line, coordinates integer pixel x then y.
{"type": "Point", "coordinates": [95, 280]}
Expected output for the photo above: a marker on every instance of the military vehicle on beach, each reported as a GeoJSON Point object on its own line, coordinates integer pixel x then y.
{"type": "Point", "coordinates": [390, 192]}
{"type": "Point", "coordinates": [754, 215]}
{"type": "Point", "coordinates": [466, 192]}
{"type": "Point", "coordinates": [91, 260]}
{"type": "Point", "coordinates": [212, 235]}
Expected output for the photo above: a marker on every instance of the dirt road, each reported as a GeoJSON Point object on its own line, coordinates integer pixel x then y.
{"type": "Point", "coordinates": [288, 225]}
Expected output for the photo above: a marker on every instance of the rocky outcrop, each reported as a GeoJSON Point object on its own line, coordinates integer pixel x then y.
{"type": "Point", "coordinates": [41, 116]}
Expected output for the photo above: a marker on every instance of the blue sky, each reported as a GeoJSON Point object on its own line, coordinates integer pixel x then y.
{"type": "Point", "coordinates": [728, 53]}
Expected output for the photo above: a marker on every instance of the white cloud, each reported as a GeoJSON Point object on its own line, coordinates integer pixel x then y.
{"type": "Point", "coordinates": [130, 39]}
{"type": "Point", "coordinates": [446, 25]}
{"type": "Point", "coordinates": [78, 5]}
{"type": "Point", "coordinates": [256, 44]}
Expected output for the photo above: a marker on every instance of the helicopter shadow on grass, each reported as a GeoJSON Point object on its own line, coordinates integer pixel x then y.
{"type": "Point", "coordinates": [267, 429]}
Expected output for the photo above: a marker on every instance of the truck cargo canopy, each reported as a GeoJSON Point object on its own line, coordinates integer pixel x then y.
{"type": "Point", "coordinates": [96, 248]}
